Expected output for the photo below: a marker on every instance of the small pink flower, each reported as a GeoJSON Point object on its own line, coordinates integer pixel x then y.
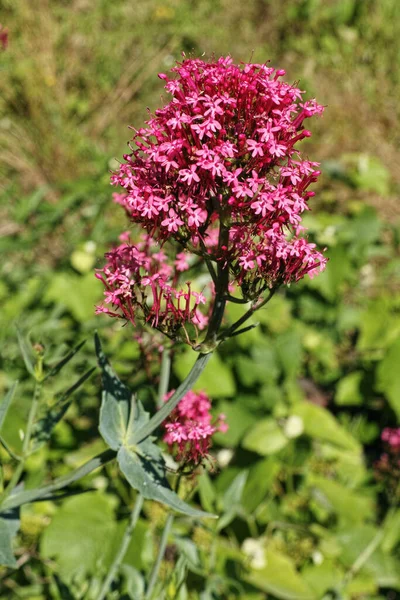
{"type": "Point", "coordinates": [189, 428]}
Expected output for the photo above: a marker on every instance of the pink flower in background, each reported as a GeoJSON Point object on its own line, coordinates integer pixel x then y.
{"type": "Point", "coordinates": [391, 437]}
{"type": "Point", "coordinates": [3, 37]}
{"type": "Point", "coordinates": [189, 428]}
{"type": "Point", "coordinates": [387, 468]}
{"type": "Point", "coordinates": [224, 150]}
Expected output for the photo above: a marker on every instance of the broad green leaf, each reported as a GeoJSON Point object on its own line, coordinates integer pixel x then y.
{"type": "Point", "coordinates": [391, 528]}
{"type": "Point", "coordinates": [331, 283]}
{"type": "Point", "coordinates": [366, 540]}
{"type": "Point", "coordinates": [148, 477]}
{"type": "Point", "coordinates": [117, 406]}
{"type": "Point", "coordinates": [320, 424]}
{"type": "Point", "coordinates": [280, 578]}
{"type": "Point", "coordinates": [233, 495]}
{"type": "Point", "coordinates": [266, 437]}
{"type": "Point", "coordinates": [5, 403]}
{"type": "Point", "coordinates": [379, 325]}
{"type": "Point", "coordinates": [206, 492]}
{"type": "Point", "coordinates": [87, 292]}
{"type": "Point", "coordinates": [348, 390]}
{"type": "Point", "coordinates": [259, 482]}
{"type": "Point", "coordinates": [217, 380]}
{"type": "Point", "coordinates": [78, 537]}
{"type": "Point", "coordinates": [231, 500]}
{"type": "Point", "coordinates": [323, 577]}
{"type": "Point", "coordinates": [239, 419]}
{"type": "Point", "coordinates": [352, 506]}
{"type": "Point", "coordinates": [388, 376]}
{"type": "Point", "coordinates": [9, 525]}
{"type": "Point", "coordinates": [369, 173]}
{"type": "Point", "coordinates": [289, 350]}
{"type": "Point", "coordinates": [133, 585]}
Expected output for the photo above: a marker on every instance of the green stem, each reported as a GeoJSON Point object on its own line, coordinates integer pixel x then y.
{"type": "Point", "coordinates": [247, 315]}
{"type": "Point", "coordinates": [160, 556]}
{"type": "Point", "coordinates": [27, 439]}
{"type": "Point", "coordinates": [24, 497]}
{"type": "Point", "coordinates": [9, 450]}
{"type": "Point", "coordinates": [119, 557]}
{"type": "Point", "coordinates": [221, 291]}
{"type": "Point", "coordinates": [164, 376]}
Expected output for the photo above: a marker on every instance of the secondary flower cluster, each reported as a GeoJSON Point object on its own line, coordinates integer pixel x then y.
{"type": "Point", "coordinates": [141, 280]}
{"type": "Point", "coordinates": [217, 169]}
{"type": "Point", "coordinates": [387, 468]}
{"type": "Point", "coordinates": [189, 428]}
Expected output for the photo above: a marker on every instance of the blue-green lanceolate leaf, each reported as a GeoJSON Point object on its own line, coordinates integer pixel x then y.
{"type": "Point", "coordinates": [5, 403]}
{"type": "Point", "coordinates": [117, 403]}
{"type": "Point", "coordinates": [9, 525]}
{"type": "Point", "coordinates": [142, 464]}
{"type": "Point", "coordinates": [147, 476]}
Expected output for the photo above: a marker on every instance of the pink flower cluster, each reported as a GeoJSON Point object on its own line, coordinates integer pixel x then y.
{"type": "Point", "coordinates": [142, 280]}
{"type": "Point", "coordinates": [222, 154]}
{"type": "Point", "coordinates": [387, 468]}
{"type": "Point", "coordinates": [391, 437]}
{"type": "Point", "coordinates": [189, 428]}
{"type": "Point", "coordinates": [3, 37]}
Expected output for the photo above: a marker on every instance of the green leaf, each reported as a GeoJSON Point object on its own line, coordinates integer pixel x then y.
{"type": "Point", "coordinates": [365, 541]}
{"type": "Point", "coordinates": [217, 380]}
{"type": "Point", "coordinates": [352, 506]}
{"type": "Point", "coordinates": [388, 376]}
{"type": "Point", "coordinates": [9, 525]}
{"type": "Point", "coordinates": [133, 585]}
{"type": "Point", "coordinates": [320, 424]}
{"type": "Point", "coordinates": [289, 350]}
{"type": "Point", "coordinates": [79, 535]}
{"type": "Point", "coordinates": [233, 495]}
{"type": "Point", "coordinates": [5, 403]}
{"type": "Point", "coordinates": [261, 478]}
{"type": "Point", "coordinates": [117, 406]}
{"type": "Point", "coordinates": [148, 477]}
{"type": "Point", "coordinates": [369, 173]}
{"type": "Point", "coordinates": [348, 390]}
{"type": "Point", "coordinates": [266, 437]}
{"type": "Point", "coordinates": [391, 527]}
{"type": "Point", "coordinates": [280, 578]}
{"type": "Point", "coordinates": [323, 577]}
{"type": "Point", "coordinates": [206, 492]}
{"type": "Point", "coordinates": [239, 419]}
{"type": "Point", "coordinates": [27, 353]}
{"type": "Point", "coordinates": [87, 292]}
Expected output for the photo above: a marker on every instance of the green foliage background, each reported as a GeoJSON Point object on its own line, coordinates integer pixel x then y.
{"type": "Point", "coordinates": [306, 394]}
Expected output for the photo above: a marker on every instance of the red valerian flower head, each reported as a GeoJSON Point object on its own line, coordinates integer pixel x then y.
{"type": "Point", "coordinates": [223, 153]}
{"type": "Point", "coordinates": [189, 428]}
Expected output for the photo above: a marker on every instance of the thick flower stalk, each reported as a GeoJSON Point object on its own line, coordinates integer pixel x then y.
{"type": "Point", "coordinates": [190, 427]}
